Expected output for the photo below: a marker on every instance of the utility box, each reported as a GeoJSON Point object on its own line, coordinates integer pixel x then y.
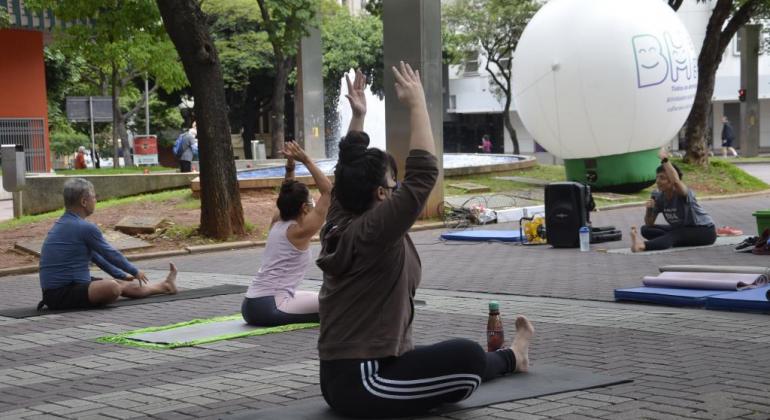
{"type": "Point", "coordinates": [14, 167]}
{"type": "Point", "coordinates": [257, 150]}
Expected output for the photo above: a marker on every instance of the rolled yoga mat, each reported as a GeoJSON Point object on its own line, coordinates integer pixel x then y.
{"type": "Point", "coordinates": [541, 380]}
{"type": "Point", "coordinates": [706, 281]}
{"type": "Point", "coordinates": [743, 269]}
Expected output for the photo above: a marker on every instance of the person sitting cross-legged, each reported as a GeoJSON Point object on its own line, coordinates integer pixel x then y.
{"type": "Point", "coordinates": [72, 244]}
{"type": "Point", "coordinates": [272, 298]}
{"type": "Point", "coordinates": [688, 224]}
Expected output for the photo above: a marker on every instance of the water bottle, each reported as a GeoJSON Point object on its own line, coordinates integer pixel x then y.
{"type": "Point", "coordinates": [494, 327]}
{"type": "Point", "coordinates": [585, 239]}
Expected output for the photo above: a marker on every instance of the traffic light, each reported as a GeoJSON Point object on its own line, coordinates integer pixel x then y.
{"type": "Point", "coordinates": [742, 95]}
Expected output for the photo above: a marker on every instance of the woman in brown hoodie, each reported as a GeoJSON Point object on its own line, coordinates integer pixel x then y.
{"type": "Point", "coordinates": [369, 364]}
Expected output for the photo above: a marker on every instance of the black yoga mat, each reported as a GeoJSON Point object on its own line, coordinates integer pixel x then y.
{"type": "Point", "coordinates": [224, 289]}
{"type": "Point", "coordinates": [540, 381]}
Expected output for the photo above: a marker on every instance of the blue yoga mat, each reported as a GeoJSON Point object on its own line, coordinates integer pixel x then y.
{"type": "Point", "coordinates": [667, 296]}
{"type": "Point", "coordinates": [483, 235]}
{"type": "Point", "coordinates": [745, 300]}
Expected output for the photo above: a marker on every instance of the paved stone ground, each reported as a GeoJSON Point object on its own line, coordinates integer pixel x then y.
{"type": "Point", "coordinates": [685, 363]}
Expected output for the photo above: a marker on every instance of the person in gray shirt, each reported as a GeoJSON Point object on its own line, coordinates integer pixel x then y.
{"type": "Point", "coordinates": [688, 223]}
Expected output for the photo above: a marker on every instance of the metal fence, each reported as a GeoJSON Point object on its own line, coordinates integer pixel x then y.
{"type": "Point", "coordinates": [30, 133]}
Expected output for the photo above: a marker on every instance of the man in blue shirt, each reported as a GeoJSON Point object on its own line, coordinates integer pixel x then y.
{"type": "Point", "coordinates": [72, 244]}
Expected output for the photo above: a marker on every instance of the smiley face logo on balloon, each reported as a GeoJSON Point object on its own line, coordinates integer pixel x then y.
{"type": "Point", "coordinates": [680, 59]}
{"type": "Point", "coordinates": [651, 63]}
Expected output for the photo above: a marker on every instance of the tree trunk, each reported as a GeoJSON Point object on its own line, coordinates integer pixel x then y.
{"type": "Point", "coordinates": [115, 116]}
{"type": "Point", "coordinates": [718, 36]}
{"type": "Point", "coordinates": [249, 115]}
{"type": "Point", "coordinates": [509, 124]}
{"type": "Point", "coordinates": [221, 210]}
{"type": "Point", "coordinates": [277, 124]}
{"type": "Point", "coordinates": [123, 132]}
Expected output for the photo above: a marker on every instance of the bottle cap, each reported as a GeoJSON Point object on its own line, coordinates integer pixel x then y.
{"type": "Point", "coordinates": [584, 229]}
{"type": "Point", "coordinates": [494, 306]}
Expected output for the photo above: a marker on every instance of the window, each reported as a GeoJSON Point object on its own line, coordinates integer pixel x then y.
{"type": "Point", "coordinates": [504, 62]}
{"type": "Point", "coordinates": [471, 62]}
{"type": "Point", "coordinates": [764, 39]}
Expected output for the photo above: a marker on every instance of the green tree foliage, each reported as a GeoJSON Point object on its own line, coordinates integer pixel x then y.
{"type": "Point", "coordinates": [62, 78]}
{"type": "Point", "coordinates": [285, 22]}
{"type": "Point", "coordinates": [5, 19]}
{"type": "Point", "coordinates": [65, 141]}
{"type": "Point", "coordinates": [492, 28]}
{"type": "Point", "coordinates": [123, 41]}
{"type": "Point", "coordinates": [244, 50]}
{"type": "Point", "coordinates": [247, 62]}
{"type": "Point", "coordinates": [349, 42]}
{"type": "Point", "coordinates": [726, 18]}
{"type": "Point", "coordinates": [165, 121]}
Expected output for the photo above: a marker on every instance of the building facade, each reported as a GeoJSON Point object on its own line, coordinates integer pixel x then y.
{"type": "Point", "coordinates": [473, 109]}
{"type": "Point", "coordinates": [23, 102]}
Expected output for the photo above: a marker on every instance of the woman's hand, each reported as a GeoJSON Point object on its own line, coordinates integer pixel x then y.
{"type": "Point", "coordinates": [292, 151]}
{"type": "Point", "coordinates": [408, 86]}
{"type": "Point", "coordinates": [663, 153]}
{"type": "Point", "coordinates": [356, 94]}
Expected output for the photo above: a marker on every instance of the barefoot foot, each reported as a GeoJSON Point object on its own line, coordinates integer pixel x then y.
{"type": "Point", "coordinates": [637, 244]}
{"type": "Point", "coordinates": [170, 282]}
{"type": "Point", "coordinates": [520, 347]}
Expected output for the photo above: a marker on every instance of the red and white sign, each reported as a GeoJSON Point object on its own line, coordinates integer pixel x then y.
{"type": "Point", "coordinates": [146, 150]}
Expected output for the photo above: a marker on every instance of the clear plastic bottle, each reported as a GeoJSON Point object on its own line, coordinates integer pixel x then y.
{"type": "Point", "coordinates": [495, 333]}
{"type": "Point", "coordinates": [585, 239]}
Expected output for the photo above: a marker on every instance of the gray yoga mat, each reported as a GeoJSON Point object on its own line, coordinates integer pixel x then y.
{"type": "Point", "coordinates": [540, 381]}
{"type": "Point", "coordinates": [195, 332]}
{"type": "Point", "coordinates": [721, 241]}
{"type": "Point", "coordinates": [743, 269]}
{"type": "Point", "coordinates": [705, 281]}
{"type": "Point", "coordinates": [224, 289]}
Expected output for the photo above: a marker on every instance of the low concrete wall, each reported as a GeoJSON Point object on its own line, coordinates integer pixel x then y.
{"type": "Point", "coordinates": [44, 193]}
{"type": "Point", "coordinates": [273, 182]}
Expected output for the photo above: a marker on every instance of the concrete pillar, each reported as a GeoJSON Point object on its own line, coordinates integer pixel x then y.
{"type": "Point", "coordinates": [749, 124]}
{"type": "Point", "coordinates": [412, 33]}
{"type": "Point", "coordinates": [309, 97]}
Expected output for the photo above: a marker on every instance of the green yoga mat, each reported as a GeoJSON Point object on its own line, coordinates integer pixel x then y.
{"type": "Point", "coordinates": [196, 332]}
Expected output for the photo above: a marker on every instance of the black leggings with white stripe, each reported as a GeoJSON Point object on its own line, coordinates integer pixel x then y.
{"type": "Point", "coordinates": [412, 383]}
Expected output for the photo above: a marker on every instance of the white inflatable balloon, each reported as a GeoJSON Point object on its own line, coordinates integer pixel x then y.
{"type": "Point", "coordinates": [604, 77]}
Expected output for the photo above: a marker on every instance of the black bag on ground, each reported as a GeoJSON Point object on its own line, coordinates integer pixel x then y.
{"type": "Point", "coordinates": [567, 207]}
{"type": "Point", "coordinates": [605, 234]}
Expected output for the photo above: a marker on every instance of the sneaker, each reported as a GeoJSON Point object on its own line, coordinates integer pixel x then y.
{"type": "Point", "coordinates": [748, 242]}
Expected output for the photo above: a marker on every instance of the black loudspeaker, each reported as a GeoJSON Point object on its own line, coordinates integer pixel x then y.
{"type": "Point", "coordinates": [567, 207]}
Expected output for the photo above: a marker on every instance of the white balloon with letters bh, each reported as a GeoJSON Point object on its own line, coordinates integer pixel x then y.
{"type": "Point", "coordinates": [604, 77]}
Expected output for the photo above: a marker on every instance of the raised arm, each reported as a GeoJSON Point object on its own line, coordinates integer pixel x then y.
{"type": "Point", "coordinates": [391, 219]}
{"type": "Point", "coordinates": [288, 176]}
{"type": "Point", "coordinates": [300, 235]}
{"type": "Point", "coordinates": [679, 187]}
{"type": "Point", "coordinates": [357, 99]}
{"type": "Point", "coordinates": [410, 93]}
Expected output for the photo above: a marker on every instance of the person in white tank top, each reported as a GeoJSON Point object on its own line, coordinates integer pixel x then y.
{"type": "Point", "coordinates": [272, 298]}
